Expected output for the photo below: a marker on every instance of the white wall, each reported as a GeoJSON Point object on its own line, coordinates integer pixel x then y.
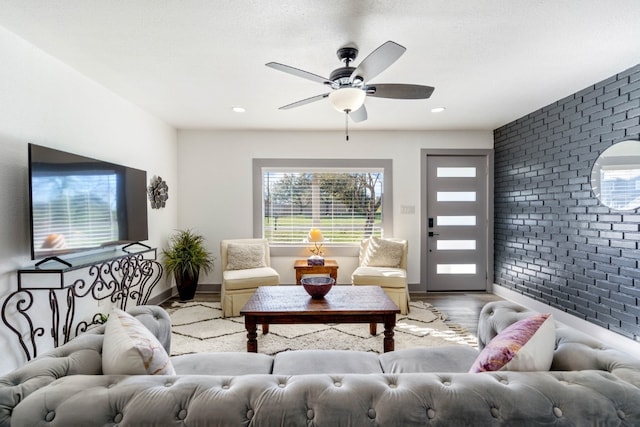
{"type": "Point", "coordinates": [45, 102]}
{"type": "Point", "coordinates": [216, 190]}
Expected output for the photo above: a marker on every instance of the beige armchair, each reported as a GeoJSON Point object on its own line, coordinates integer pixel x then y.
{"type": "Point", "coordinates": [383, 262]}
{"type": "Point", "coordinates": [246, 265]}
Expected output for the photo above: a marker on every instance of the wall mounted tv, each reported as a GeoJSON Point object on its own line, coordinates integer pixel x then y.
{"type": "Point", "coordinates": [78, 203]}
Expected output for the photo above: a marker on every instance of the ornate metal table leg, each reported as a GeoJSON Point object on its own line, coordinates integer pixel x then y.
{"type": "Point", "coordinates": [22, 300]}
{"type": "Point", "coordinates": [71, 311]}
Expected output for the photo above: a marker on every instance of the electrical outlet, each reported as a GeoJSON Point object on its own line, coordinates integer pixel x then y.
{"type": "Point", "coordinates": [407, 210]}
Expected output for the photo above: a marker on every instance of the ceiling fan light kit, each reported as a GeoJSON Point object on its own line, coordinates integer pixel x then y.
{"type": "Point", "coordinates": [347, 99]}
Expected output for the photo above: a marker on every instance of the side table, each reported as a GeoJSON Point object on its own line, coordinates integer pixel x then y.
{"type": "Point", "coordinates": [330, 267]}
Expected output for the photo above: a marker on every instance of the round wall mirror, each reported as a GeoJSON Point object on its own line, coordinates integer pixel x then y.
{"type": "Point", "coordinates": [615, 176]}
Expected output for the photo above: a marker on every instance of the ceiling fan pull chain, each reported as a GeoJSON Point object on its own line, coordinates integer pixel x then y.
{"type": "Point", "coordinates": [346, 125]}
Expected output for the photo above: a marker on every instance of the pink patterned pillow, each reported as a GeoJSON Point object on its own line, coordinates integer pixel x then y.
{"type": "Point", "coordinates": [526, 345]}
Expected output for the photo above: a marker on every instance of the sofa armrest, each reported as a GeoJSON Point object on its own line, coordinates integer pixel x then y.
{"type": "Point", "coordinates": [578, 351]}
{"type": "Point", "coordinates": [574, 351]}
{"type": "Point", "coordinates": [495, 317]}
{"type": "Point", "coordinates": [80, 356]}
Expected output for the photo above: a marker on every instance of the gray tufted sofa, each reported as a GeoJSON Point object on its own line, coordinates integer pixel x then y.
{"type": "Point", "coordinates": [587, 385]}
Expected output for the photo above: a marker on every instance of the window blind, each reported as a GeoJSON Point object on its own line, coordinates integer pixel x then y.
{"type": "Point", "coordinates": [346, 205]}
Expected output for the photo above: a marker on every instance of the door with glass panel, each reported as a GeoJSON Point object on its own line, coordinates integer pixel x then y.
{"type": "Point", "coordinates": [457, 231]}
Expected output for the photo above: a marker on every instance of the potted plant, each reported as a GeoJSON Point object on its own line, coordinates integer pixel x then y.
{"type": "Point", "coordinates": [184, 258]}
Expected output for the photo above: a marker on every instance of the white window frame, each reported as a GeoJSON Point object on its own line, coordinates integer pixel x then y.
{"type": "Point", "coordinates": [356, 165]}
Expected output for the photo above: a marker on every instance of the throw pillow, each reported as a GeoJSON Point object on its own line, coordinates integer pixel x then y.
{"type": "Point", "coordinates": [243, 256]}
{"type": "Point", "coordinates": [526, 345]}
{"type": "Point", "coordinates": [129, 348]}
{"type": "Point", "coordinates": [383, 253]}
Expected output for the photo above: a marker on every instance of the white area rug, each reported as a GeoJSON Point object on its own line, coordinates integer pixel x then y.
{"type": "Point", "coordinates": [199, 327]}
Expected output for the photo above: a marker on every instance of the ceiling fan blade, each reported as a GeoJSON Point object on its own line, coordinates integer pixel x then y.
{"type": "Point", "coordinates": [398, 91]}
{"type": "Point", "coordinates": [300, 73]}
{"type": "Point", "coordinates": [304, 101]}
{"type": "Point", "coordinates": [360, 115]}
{"type": "Point", "coordinates": [378, 61]}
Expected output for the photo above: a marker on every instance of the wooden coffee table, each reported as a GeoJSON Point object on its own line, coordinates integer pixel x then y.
{"type": "Point", "coordinates": [343, 304]}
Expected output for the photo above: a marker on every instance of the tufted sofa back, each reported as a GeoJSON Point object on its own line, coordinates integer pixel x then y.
{"type": "Point", "coordinates": [575, 350]}
{"type": "Point", "coordinates": [321, 400]}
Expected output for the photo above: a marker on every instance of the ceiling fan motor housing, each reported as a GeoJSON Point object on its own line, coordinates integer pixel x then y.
{"type": "Point", "coordinates": [340, 76]}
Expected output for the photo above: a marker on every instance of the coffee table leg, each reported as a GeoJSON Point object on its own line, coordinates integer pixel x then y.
{"type": "Point", "coordinates": [373, 328]}
{"type": "Point", "coordinates": [265, 328]}
{"type": "Point", "coordinates": [389, 324]}
{"type": "Point", "coordinates": [252, 334]}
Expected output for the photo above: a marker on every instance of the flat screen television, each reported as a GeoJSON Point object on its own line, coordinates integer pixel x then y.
{"type": "Point", "coordinates": [78, 203]}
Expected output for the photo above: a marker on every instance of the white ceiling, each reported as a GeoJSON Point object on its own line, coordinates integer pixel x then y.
{"type": "Point", "coordinates": [189, 62]}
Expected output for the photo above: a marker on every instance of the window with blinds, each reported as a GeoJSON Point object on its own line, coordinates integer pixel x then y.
{"type": "Point", "coordinates": [345, 203]}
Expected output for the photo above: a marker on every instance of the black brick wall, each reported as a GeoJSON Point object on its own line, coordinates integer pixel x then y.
{"type": "Point", "coordinates": [554, 241]}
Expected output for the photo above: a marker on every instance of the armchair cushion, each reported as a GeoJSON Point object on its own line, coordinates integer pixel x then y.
{"type": "Point", "coordinates": [244, 256]}
{"type": "Point", "coordinates": [383, 253]}
{"type": "Point", "coordinates": [250, 278]}
{"type": "Point", "coordinates": [391, 277]}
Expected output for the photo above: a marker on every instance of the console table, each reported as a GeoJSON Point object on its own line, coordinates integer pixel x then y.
{"type": "Point", "coordinates": [118, 276]}
{"type": "Point", "coordinates": [330, 267]}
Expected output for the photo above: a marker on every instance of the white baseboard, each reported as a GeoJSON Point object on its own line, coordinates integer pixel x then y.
{"type": "Point", "coordinates": [607, 337]}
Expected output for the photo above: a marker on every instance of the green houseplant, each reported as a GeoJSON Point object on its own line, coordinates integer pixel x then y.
{"type": "Point", "coordinates": [185, 257]}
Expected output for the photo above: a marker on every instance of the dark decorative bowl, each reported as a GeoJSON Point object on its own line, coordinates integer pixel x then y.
{"type": "Point", "coordinates": [317, 287]}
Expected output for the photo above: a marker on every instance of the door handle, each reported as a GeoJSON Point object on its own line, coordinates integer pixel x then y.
{"type": "Point", "coordinates": [431, 234]}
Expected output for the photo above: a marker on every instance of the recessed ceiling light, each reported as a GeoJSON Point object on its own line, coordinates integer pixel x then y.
{"type": "Point", "coordinates": [438, 110]}
{"type": "Point", "coordinates": [239, 109]}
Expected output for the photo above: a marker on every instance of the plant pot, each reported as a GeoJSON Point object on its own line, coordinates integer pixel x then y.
{"type": "Point", "coordinates": [186, 286]}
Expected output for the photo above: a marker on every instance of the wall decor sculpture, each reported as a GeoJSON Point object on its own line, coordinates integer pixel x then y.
{"type": "Point", "coordinates": [158, 192]}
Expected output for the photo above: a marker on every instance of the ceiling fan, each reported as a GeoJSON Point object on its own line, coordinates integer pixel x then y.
{"type": "Point", "coordinates": [350, 85]}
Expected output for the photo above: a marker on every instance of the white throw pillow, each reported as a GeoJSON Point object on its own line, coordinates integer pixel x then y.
{"type": "Point", "coordinates": [383, 253]}
{"type": "Point", "coordinates": [129, 348]}
{"type": "Point", "coordinates": [244, 256]}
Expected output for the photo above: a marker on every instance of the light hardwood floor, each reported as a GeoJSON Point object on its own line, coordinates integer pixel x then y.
{"type": "Point", "coordinates": [462, 308]}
